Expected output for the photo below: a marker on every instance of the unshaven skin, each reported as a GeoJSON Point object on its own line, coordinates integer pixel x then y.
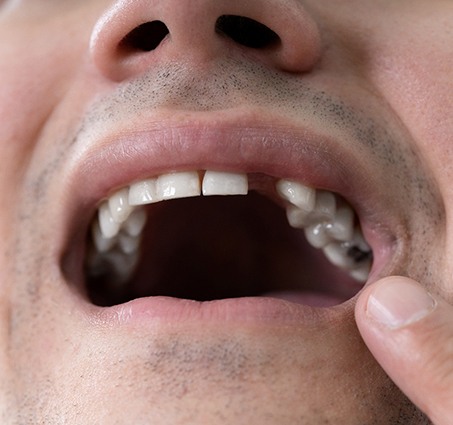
{"type": "Point", "coordinates": [353, 97]}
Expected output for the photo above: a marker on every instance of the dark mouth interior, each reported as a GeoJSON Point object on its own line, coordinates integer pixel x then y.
{"type": "Point", "coordinates": [210, 248]}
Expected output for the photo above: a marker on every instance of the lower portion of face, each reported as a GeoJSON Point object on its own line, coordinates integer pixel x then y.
{"type": "Point", "coordinates": [197, 192]}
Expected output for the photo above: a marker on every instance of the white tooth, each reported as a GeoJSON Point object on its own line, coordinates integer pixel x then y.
{"type": "Point", "coordinates": [119, 205]}
{"type": "Point", "coordinates": [123, 264]}
{"type": "Point", "coordinates": [127, 243]}
{"type": "Point", "coordinates": [341, 228]}
{"type": "Point", "coordinates": [101, 243]}
{"type": "Point", "coordinates": [297, 217]}
{"type": "Point", "coordinates": [359, 241]}
{"type": "Point", "coordinates": [361, 273]}
{"type": "Point", "coordinates": [134, 225]}
{"type": "Point", "coordinates": [221, 183]}
{"type": "Point", "coordinates": [325, 206]}
{"type": "Point", "coordinates": [297, 194]}
{"type": "Point", "coordinates": [317, 236]}
{"type": "Point", "coordinates": [109, 227]}
{"type": "Point", "coordinates": [342, 254]}
{"type": "Point", "coordinates": [178, 185]}
{"type": "Point", "coordinates": [143, 192]}
{"type": "Point", "coordinates": [337, 254]}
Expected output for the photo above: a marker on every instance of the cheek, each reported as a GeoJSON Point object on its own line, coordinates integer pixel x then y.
{"type": "Point", "coordinates": [415, 76]}
{"type": "Point", "coordinates": [412, 66]}
{"type": "Point", "coordinates": [26, 97]}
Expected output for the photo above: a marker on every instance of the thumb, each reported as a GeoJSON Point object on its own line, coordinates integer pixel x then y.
{"type": "Point", "coordinates": [410, 333]}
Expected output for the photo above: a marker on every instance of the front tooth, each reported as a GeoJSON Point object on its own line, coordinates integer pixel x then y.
{"type": "Point", "coordinates": [109, 227]}
{"type": "Point", "coordinates": [143, 192]}
{"type": "Point", "coordinates": [178, 185]}
{"type": "Point", "coordinates": [119, 205]}
{"type": "Point", "coordinates": [222, 183]}
{"type": "Point", "coordinates": [297, 194]}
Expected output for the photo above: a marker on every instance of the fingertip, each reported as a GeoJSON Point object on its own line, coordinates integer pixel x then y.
{"type": "Point", "coordinates": [395, 302]}
{"type": "Point", "coordinates": [397, 317]}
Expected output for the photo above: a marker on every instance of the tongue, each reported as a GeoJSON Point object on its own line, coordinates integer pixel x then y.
{"type": "Point", "coordinates": [312, 299]}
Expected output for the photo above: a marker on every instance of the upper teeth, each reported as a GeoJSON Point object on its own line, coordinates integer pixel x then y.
{"type": "Point", "coordinates": [121, 218]}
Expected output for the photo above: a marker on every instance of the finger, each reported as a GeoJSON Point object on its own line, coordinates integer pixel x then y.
{"type": "Point", "coordinates": [410, 333]}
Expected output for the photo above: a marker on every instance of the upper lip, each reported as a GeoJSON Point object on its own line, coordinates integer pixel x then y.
{"type": "Point", "coordinates": [228, 142]}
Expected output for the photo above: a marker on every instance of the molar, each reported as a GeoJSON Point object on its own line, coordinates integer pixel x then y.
{"type": "Point", "coordinates": [327, 227]}
{"type": "Point", "coordinates": [341, 228]}
{"type": "Point", "coordinates": [317, 235]}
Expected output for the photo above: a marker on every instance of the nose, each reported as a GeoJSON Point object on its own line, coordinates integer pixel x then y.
{"type": "Point", "coordinates": [134, 35]}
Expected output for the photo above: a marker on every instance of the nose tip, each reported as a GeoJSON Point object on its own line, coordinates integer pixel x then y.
{"type": "Point", "coordinates": [134, 35]}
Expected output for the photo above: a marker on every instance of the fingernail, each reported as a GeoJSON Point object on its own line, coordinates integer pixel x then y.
{"type": "Point", "coordinates": [398, 302]}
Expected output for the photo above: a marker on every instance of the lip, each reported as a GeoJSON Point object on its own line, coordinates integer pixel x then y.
{"type": "Point", "coordinates": [255, 311]}
{"type": "Point", "coordinates": [235, 143]}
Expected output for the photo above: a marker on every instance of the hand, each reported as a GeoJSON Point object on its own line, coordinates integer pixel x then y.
{"type": "Point", "coordinates": [410, 333]}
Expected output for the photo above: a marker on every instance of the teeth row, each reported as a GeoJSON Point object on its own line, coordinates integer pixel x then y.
{"type": "Point", "coordinates": [117, 231]}
{"type": "Point", "coordinates": [327, 227]}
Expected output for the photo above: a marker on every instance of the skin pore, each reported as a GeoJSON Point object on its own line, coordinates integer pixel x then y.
{"type": "Point", "coordinates": [357, 104]}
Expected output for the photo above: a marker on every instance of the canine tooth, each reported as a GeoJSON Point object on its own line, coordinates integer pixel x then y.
{"type": "Point", "coordinates": [297, 194]}
{"type": "Point", "coordinates": [317, 236]}
{"type": "Point", "coordinates": [127, 243]}
{"type": "Point", "coordinates": [119, 205]}
{"type": "Point", "coordinates": [108, 226]}
{"type": "Point", "coordinates": [178, 185]}
{"type": "Point", "coordinates": [134, 225]}
{"type": "Point", "coordinates": [222, 183]}
{"type": "Point", "coordinates": [101, 243]}
{"type": "Point", "coordinates": [341, 227]}
{"type": "Point", "coordinates": [143, 192]}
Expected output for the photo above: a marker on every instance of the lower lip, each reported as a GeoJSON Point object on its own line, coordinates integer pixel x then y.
{"type": "Point", "coordinates": [150, 311]}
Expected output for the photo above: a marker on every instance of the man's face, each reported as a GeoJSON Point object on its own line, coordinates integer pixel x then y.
{"type": "Point", "coordinates": [221, 312]}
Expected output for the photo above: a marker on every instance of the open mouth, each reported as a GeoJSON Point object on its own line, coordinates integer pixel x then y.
{"type": "Point", "coordinates": [207, 235]}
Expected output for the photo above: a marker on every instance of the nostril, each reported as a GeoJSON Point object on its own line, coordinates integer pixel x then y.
{"type": "Point", "coordinates": [246, 31]}
{"type": "Point", "coordinates": [145, 37]}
